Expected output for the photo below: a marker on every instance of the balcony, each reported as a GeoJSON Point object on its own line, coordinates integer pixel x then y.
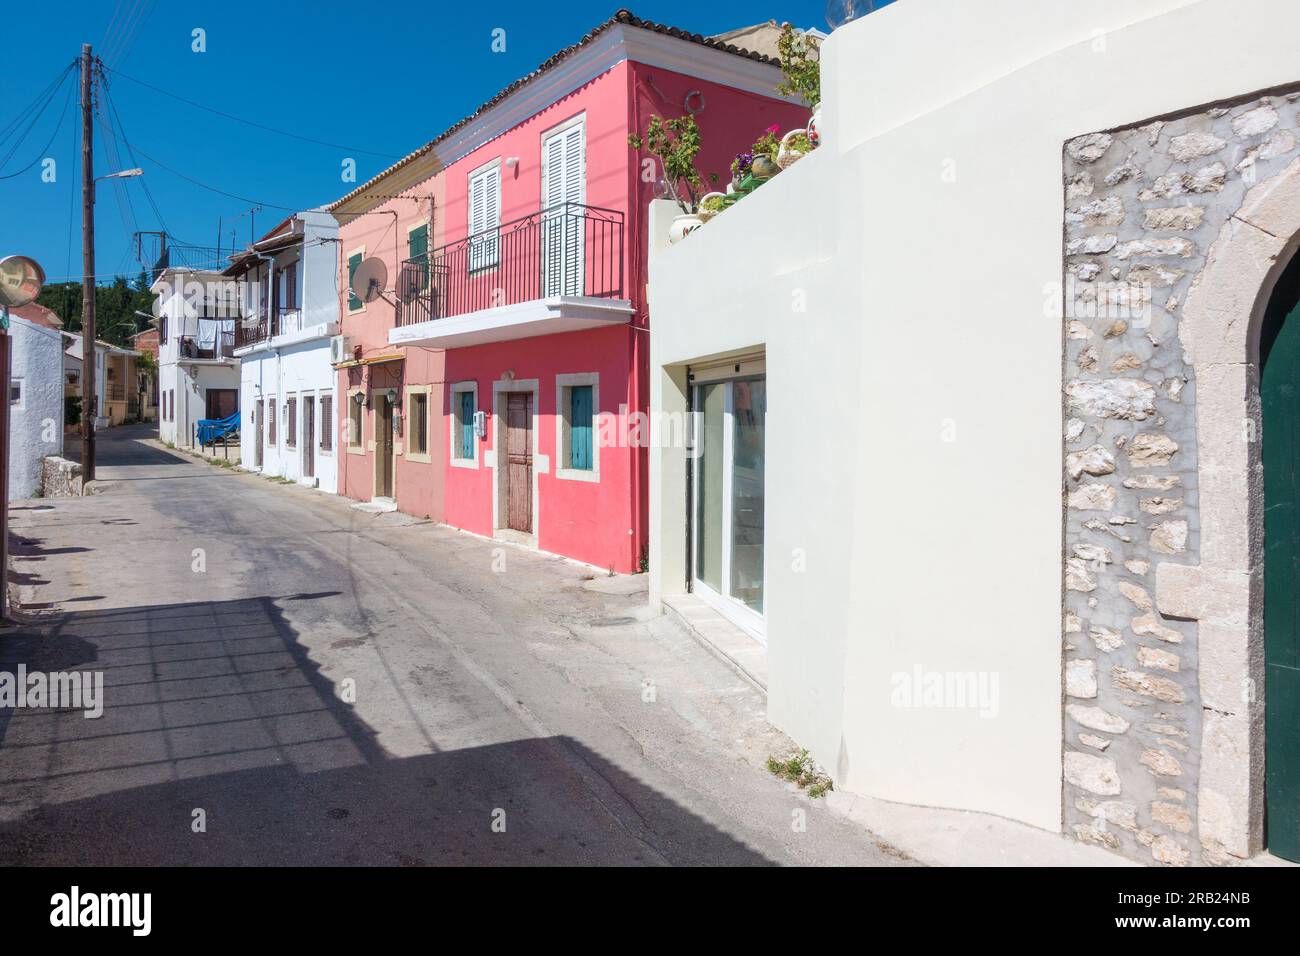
{"type": "Point", "coordinates": [557, 270]}
{"type": "Point", "coordinates": [291, 322]}
{"type": "Point", "coordinates": [215, 347]}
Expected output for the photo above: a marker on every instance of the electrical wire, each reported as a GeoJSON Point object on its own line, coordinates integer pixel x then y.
{"type": "Point", "coordinates": [44, 153]}
{"type": "Point", "coordinates": [248, 122]}
{"type": "Point", "coordinates": [41, 97]}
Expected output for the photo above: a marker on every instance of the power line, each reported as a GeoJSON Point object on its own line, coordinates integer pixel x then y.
{"type": "Point", "coordinates": [248, 122]}
{"type": "Point", "coordinates": [44, 152]}
{"type": "Point", "coordinates": [42, 97]}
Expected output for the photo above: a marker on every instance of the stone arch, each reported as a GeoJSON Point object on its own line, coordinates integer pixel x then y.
{"type": "Point", "coordinates": [1220, 332]}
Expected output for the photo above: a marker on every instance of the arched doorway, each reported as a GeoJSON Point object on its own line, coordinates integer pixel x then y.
{"type": "Point", "coordinates": [1280, 406]}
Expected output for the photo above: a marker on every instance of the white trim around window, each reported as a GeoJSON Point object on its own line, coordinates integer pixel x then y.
{"type": "Point", "coordinates": [453, 413]}
{"type": "Point", "coordinates": [563, 384]}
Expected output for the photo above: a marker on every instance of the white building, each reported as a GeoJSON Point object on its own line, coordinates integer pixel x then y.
{"type": "Point", "coordinates": [290, 281]}
{"type": "Point", "coordinates": [198, 373]}
{"type": "Point", "coordinates": [951, 605]}
{"type": "Point", "coordinates": [35, 403]}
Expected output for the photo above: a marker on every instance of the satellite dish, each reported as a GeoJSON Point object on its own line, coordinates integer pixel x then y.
{"type": "Point", "coordinates": [412, 281]}
{"type": "Point", "coordinates": [370, 280]}
{"type": "Point", "coordinates": [21, 279]}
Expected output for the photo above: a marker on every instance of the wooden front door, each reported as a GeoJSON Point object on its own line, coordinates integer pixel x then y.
{"type": "Point", "coordinates": [221, 402]}
{"type": "Point", "coordinates": [308, 436]}
{"type": "Point", "coordinates": [1280, 398]}
{"type": "Point", "coordinates": [519, 462]}
{"type": "Point", "coordinates": [383, 446]}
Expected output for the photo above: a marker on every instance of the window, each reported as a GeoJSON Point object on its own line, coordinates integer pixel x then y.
{"type": "Point", "coordinates": [326, 421]}
{"type": "Point", "coordinates": [162, 330]}
{"type": "Point", "coordinates": [577, 442]}
{"type": "Point", "coordinates": [564, 173]}
{"type": "Point", "coordinates": [417, 417]}
{"type": "Point", "coordinates": [484, 217]}
{"type": "Point", "coordinates": [464, 444]}
{"type": "Point", "coordinates": [354, 260]}
{"type": "Point", "coordinates": [290, 298]}
{"type": "Point", "coordinates": [417, 241]}
{"type": "Point", "coordinates": [16, 393]}
{"type": "Point", "coordinates": [270, 421]}
{"type": "Point", "coordinates": [291, 422]}
{"type": "Point", "coordinates": [356, 420]}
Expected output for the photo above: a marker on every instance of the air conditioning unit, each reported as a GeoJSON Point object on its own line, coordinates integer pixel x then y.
{"type": "Point", "coordinates": [340, 349]}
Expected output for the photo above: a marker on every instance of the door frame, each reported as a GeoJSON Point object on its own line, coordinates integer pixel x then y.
{"type": "Point", "coordinates": [381, 395]}
{"type": "Point", "coordinates": [735, 611]}
{"type": "Point", "coordinates": [560, 129]}
{"type": "Point", "coordinates": [501, 390]}
{"type": "Point", "coordinates": [307, 460]}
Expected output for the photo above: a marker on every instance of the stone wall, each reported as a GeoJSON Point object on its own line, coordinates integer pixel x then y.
{"type": "Point", "coordinates": [1142, 208]}
{"type": "Point", "coordinates": [60, 478]}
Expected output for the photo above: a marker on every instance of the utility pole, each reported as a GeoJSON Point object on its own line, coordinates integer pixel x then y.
{"type": "Point", "coordinates": [88, 404]}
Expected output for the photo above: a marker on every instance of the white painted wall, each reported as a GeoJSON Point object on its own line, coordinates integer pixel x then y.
{"type": "Point", "coordinates": [297, 362]}
{"type": "Point", "coordinates": [929, 303]}
{"type": "Point", "coordinates": [189, 378]}
{"type": "Point", "coordinates": [36, 422]}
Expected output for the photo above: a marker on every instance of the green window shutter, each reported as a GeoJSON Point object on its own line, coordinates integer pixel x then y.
{"type": "Point", "coordinates": [466, 424]}
{"type": "Point", "coordinates": [417, 242]}
{"type": "Point", "coordinates": [580, 427]}
{"type": "Point", "coordinates": [353, 261]}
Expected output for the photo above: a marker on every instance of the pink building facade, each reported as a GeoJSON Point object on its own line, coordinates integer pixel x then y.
{"type": "Point", "coordinates": [514, 349]}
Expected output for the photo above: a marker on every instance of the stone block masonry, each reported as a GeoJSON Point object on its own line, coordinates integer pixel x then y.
{"type": "Point", "coordinates": [1143, 207]}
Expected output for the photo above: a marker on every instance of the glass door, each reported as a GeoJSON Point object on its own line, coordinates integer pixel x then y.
{"type": "Point", "coordinates": [728, 490]}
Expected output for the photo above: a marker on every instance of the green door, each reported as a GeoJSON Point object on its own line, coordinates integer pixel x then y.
{"type": "Point", "coordinates": [1280, 394]}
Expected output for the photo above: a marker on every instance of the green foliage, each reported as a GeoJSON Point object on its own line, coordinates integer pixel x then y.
{"type": "Point", "coordinates": [799, 143]}
{"type": "Point", "coordinates": [116, 305]}
{"type": "Point", "coordinates": [800, 769]}
{"type": "Point", "coordinates": [72, 409]}
{"type": "Point", "coordinates": [803, 76]}
{"type": "Point", "coordinates": [676, 142]}
{"type": "Point", "coordinates": [769, 144]}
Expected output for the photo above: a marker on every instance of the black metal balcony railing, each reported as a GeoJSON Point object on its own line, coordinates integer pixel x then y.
{"type": "Point", "coordinates": [220, 346]}
{"type": "Point", "coordinates": [116, 392]}
{"type": "Point", "coordinates": [281, 322]}
{"type": "Point", "coordinates": [568, 249]}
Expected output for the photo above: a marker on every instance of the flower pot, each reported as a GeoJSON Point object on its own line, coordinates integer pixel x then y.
{"type": "Point", "coordinates": [682, 226]}
{"type": "Point", "coordinates": [706, 214]}
{"type": "Point", "coordinates": [787, 156]}
{"type": "Point", "coordinates": [814, 121]}
{"type": "Point", "coordinates": [764, 168]}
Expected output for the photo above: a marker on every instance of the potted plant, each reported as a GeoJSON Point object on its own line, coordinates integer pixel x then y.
{"type": "Point", "coordinates": [676, 142]}
{"type": "Point", "coordinates": [794, 146]}
{"type": "Point", "coordinates": [801, 70]}
{"type": "Point", "coordinates": [711, 205]}
{"type": "Point", "coordinates": [764, 151]}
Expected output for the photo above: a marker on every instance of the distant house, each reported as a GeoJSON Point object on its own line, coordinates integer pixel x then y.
{"type": "Point", "coordinates": [290, 311]}
{"type": "Point", "coordinates": [198, 373]}
{"type": "Point", "coordinates": [35, 401]}
{"type": "Point", "coordinates": [116, 389]}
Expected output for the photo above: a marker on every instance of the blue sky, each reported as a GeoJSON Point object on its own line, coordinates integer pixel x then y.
{"type": "Point", "coordinates": [350, 74]}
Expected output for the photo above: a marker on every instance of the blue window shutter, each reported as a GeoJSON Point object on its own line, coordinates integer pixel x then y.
{"type": "Point", "coordinates": [580, 427]}
{"type": "Point", "coordinates": [466, 424]}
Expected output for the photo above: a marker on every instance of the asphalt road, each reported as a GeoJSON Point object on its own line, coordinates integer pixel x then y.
{"type": "Point", "coordinates": [291, 681]}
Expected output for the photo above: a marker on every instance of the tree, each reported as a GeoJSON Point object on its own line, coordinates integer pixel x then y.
{"type": "Point", "coordinates": [117, 305]}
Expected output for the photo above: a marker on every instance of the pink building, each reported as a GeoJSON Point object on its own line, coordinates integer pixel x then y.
{"type": "Point", "coordinates": [495, 387]}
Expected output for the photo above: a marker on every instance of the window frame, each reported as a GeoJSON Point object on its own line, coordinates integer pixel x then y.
{"type": "Point", "coordinates": [564, 385]}
{"type": "Point", "coordinates": [456, 389]}
{"type": "Point", "coordinates": [347, 286]}
{"type": "Point", "coordinates": [412, 393]}
{"type": "Point", "coordinates": [484, 268]}
{"type": "Point", "coordinates": [272, 422]}
{"type": "Point", "coordinates": [291, 420]}
{"type": "Point", "coordinates": [322, 396]}
{"type": "Point", "coordinates": [356, 443]}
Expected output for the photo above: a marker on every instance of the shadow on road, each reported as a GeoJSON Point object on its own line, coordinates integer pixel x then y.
{"type": "Point", "coordinates": [214, 711]}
